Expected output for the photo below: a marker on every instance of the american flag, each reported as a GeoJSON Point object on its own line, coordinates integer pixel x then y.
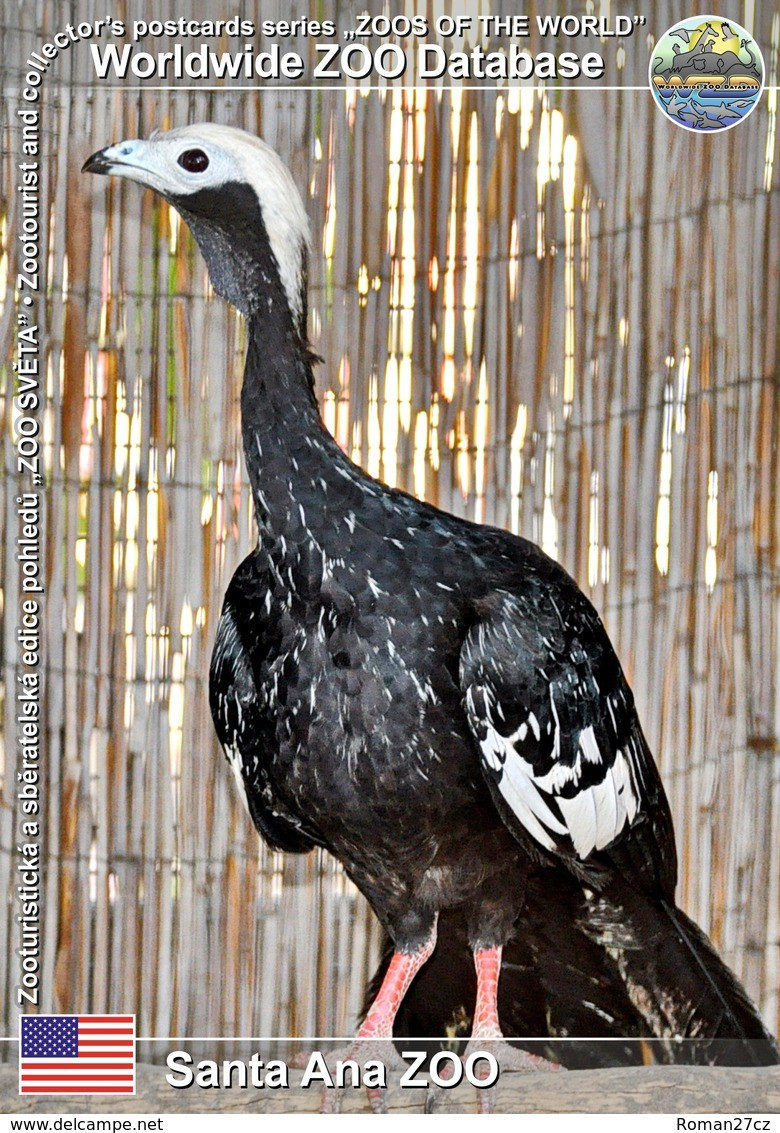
{"type": "Point", "coordinates": [77, 1054]}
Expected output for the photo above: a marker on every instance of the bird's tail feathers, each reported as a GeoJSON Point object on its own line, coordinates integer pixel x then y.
{"type": "Point", "coordinates": [688, 999]}
{"type": "Point", "coordinates": [737, 1032]}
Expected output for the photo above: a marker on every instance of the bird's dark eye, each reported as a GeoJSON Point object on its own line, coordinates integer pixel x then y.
{"type": "Point", "coordinates": [194, 161]}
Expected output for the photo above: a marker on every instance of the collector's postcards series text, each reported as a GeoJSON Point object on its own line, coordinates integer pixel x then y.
{"type": "Point", "coordinates": [384, 47]}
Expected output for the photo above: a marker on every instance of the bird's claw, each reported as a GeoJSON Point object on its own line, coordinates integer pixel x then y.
{"type": "Point", "coordinates": [509, 1059]}
{"type": "Point", "coordinates": [360, 1052]}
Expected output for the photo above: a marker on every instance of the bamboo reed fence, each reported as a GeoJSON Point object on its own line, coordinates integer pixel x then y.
{"type": "Point", "coordinates": [551, 310]}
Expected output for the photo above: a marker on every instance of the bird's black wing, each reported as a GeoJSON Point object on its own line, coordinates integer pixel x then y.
{"type": "Point", "coordinates": [560, 742]}
{"type": "Point", "coordinates": [240, 715]}
{"type": "Point", "coordinates": [571, 774]}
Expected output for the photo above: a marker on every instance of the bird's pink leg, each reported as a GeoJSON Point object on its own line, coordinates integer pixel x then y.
{"type": "Point", "coordinates": [487, 961]}
{"type": "Point", "coordinates": [404, 966]}
{"type": "Point", "coordinates": [486, 1031]}
{"type": "Point", "coordinates": [376, 1031]}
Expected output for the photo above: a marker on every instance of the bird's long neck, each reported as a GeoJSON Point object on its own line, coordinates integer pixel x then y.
{"type": "Point", "coordinates": [300, 477]}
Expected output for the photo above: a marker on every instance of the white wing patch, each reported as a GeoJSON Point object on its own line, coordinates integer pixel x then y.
{"type": "Point", "coordinates": [234, 759]}
{"type": "Point", "coordinates": [592, 818]}
{"type": "Point", "coordinates": [518, 788]}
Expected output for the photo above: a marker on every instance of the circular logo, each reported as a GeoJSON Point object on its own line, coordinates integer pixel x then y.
{"type": "Point", "coordinates": [707, 74]}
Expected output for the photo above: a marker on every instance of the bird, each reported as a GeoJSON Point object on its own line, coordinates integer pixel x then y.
{"type": "Point", "coordinates": [433, 701]}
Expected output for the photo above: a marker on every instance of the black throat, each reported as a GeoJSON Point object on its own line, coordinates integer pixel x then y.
{"type": "Point", "coordinates": [228, 224]}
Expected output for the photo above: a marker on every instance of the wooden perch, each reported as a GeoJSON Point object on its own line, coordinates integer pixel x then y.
{"type": "Point", "coordinates": [644, 1089]}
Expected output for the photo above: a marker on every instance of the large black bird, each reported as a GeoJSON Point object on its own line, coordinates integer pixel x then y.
{"type": "Point", "coordinates": [433, 701]}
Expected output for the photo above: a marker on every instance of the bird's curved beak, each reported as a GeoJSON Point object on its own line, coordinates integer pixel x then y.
{"type": "Point", "coordinates": [125, 159]}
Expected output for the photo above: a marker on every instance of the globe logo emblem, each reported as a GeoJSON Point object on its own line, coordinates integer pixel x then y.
{"type": "Point", "coordinates": [707, 74]}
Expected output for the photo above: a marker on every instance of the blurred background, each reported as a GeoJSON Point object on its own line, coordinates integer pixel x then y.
{"type": "Point", "coordinates": [547, 309]}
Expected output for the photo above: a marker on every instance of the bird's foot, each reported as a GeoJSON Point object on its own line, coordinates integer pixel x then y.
{"type": "Point", "coordinates": [374, 1058]}
{"type": "Point", "coordinates": [507, 1058]}
{"type": "Point", "coordinates": [373, 1050]}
